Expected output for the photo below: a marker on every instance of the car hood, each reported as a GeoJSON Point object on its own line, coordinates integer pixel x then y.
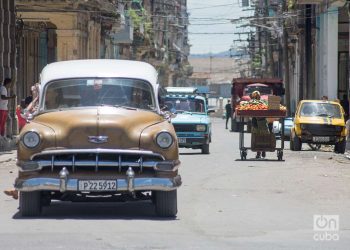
{"type": "Point", "coordinates": [121, 127]}
{"type": "Point", "coordinates": [190, 118]}
{"type": "Point", "coordinates": [322, 120]}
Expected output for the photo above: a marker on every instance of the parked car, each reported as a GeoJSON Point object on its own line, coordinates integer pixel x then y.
{"type": "Point", "coordinates": [318, 123]}
{"type": "Point", "coordinates": [98, 134]}
{"type": "Point", "coordinates": [288, 124]}
{"type": "Point", "coordinates": [192, 122]}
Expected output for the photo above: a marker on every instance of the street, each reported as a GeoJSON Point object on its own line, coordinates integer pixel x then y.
{"type": "Point", "coordinates": [223, 203]}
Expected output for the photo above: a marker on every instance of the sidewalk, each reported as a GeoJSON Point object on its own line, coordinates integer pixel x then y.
{"type": "Point", "coordinates": [7, 144]}
{"type": "Point", "coordinates": [7, 156]}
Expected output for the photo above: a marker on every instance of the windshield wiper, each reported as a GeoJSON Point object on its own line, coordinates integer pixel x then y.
{"type": "Point", "coordinates": [124, 107]}
{"type": "Point", "coordinates": [325, 115]}
{"type": "Point", "coordinates": [118, 106]}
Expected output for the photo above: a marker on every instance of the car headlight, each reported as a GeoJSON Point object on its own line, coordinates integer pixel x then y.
{"type": "Point", "coordinates": [31, 139]}
{"type": "Point", "coordinates": [201, 128]}
{"type": "Point", "coordinates": [164, 140]}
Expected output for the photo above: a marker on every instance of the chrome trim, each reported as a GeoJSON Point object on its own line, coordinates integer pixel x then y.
{"type": "Point", "coordinates": [98, 151]}
{"type": "Point", "coordinates": [174, 165]}
{"type": "Point", "coordinates": [96, 163]}
{"type": "Point", "coordinates": [130, 175]}
{"type": "Point", "coordinates": [140, 184]}
{"type": "Point", "coordinates": [63, 179]}
{"type": "Point", "coordinates": [98, 139]}
{"type": "Point", "coordinates": [73, 163]}
{"type": "Point", "coordinates": [120, 163]}
{"type": "Point", "coordinates": [52, 162]}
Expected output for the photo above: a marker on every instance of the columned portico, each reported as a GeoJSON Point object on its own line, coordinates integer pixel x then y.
{"type": "Point", "coordinates": [327, 65]}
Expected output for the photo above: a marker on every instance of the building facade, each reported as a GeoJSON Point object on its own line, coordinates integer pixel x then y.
{"type": "Point", "coordinates": [8, 67]}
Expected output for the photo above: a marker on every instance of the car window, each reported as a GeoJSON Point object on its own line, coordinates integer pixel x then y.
{"type": "Point", "coordinates": [264, 90]}
{"type": "Point", "coordinates": [178, 105]}
{"type": "Point", "coordinates": [96, 92]}
{"type": "Point", "coordinates": [310, 109]}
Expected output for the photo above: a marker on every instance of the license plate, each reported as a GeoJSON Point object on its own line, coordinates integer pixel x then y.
{"type": "Point", "coordinates": [321, 139]}
{"type": "Point", "coordinates": [182, 140]}
{"type": "Point", "coordinates": [97, 185]}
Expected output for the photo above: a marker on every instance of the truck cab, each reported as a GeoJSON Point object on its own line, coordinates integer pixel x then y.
{"type": "Point", "coordinates": [243, 87]}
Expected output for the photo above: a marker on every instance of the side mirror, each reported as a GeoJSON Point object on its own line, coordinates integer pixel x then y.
{"type": "Point", "coordinates": [211, 111]}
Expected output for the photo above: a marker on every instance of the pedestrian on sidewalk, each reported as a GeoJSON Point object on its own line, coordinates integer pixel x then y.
{"type": "Point", "coordinates": [228, 109]}
{"type": "Point", "coordinates": [4, 104]}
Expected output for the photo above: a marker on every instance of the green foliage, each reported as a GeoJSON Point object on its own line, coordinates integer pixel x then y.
{"type": "Point", "coordinates": [291, 4]}
{"type": "Point", "coordinates": [141, 17]}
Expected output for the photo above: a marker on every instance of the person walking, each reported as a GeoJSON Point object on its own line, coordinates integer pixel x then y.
{"type": "Point", "coordinates": [259, 126]}
{"type": "Point", "coordinates": [345, 104]}
{"type": "Point", "coordinates": [228, 109]}
{"type": "Point", "coordinates": [4, 103]}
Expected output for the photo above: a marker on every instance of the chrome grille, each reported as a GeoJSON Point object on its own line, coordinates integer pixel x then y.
{"type": "Point", "coordinates": [185, 127]}
{"type": "Point", "coordinates": [97, 160]}
{"type": "Point", "coordinates": [322, 130]}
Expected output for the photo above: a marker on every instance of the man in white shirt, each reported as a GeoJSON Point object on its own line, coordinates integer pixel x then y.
{"type": "Point", "coordinates": [3, 104]}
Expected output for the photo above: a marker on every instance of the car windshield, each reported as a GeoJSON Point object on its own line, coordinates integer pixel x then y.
{"type": "Point", "coordinates": [71, 93]}
{"type": "Point", "coordinates": [178, 105]}
{"type": "Point", "coordinates": [264, 90]}
{"type": "Point", "coordinates": [320, 109]}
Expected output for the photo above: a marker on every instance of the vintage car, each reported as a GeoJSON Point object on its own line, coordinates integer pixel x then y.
{"type": "Point", "coordinates": [98, 135]}
{"type": "Point", "coordinates": [192, 122]}
{"type": "Point", "coordinates": [319, 122]}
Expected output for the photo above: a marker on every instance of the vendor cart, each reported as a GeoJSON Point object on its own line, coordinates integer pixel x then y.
{"type": "Point", "coordinates": [261, 142]}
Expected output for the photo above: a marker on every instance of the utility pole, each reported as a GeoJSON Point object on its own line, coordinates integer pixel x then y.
{"type": "Point", "coordinates": [268, 48]}
{"type": "Point", "coordinates": [285, 59]}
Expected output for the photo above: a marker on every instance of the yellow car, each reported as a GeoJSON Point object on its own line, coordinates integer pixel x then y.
{"type": "Point", "coordinates": [319, 122]}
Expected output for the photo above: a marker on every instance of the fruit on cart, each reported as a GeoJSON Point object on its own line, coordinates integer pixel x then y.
{"type": "Point", "coordinates": [256, 105]}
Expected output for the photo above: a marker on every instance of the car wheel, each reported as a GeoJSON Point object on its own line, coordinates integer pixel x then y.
{"type": "Point", "coordinates": [166, 203]}
{"type": "Point", "coordinates": [296, 143]}
{"type": "Point", "coordinates": [340, 147]}
{"type": "Point", "coordinates": [30, 203]}
{"type": "Point", "coordinates": [205, 149]}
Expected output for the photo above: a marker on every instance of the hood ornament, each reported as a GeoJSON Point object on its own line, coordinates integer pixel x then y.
{"type": "Point", "coordinates": [98, 139]}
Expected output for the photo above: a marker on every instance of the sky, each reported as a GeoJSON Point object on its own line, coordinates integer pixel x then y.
{"type": "Point", "coordinates": [208, 16]}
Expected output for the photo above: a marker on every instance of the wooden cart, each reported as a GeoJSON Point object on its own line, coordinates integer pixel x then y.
{"type": "Point", "coordinates": [267, 141]}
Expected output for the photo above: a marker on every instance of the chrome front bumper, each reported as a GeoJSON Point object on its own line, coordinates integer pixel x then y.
{"type": "Point", "coordinates": [127, 184]}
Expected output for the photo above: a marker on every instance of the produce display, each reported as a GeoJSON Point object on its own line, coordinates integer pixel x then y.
{"type": "Point", "coordinates": [256, 105]}
{"type": "Point", "coordinates": [259, 108]}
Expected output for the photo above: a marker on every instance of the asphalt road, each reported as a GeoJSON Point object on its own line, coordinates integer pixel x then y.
{"type": "Point", "coordinates": [224, 203]}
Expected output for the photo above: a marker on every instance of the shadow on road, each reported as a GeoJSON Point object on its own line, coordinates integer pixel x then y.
{"type": "Point", "coordinates": [192, 153]}
{"type": "Point", "coordinates": [254, 159]}
{"type": "Point", "coordinates": [140, 210]}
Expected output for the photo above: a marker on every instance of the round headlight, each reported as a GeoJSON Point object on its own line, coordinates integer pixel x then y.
{"type": "Point", "coordinates": [164, 140]}
{"type": "Point", "coordinates": [201, 128]}
{"type": "Point", "coordinates": [31, 139]}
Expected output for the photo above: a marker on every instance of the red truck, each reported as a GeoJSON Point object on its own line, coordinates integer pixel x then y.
{"type": "Point", "coordinates": [243, 87]}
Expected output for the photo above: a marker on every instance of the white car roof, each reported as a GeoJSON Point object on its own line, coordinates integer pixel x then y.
{"type": "Point", "coordinates": [183, 90]}
{"type": "Point", "coordinates": [99, 68]}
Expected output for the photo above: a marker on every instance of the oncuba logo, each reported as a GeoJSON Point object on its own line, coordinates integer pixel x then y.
{"type": "Point", "coordinates": [326, 227]}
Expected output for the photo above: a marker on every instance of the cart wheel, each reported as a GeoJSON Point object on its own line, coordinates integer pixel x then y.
{"type": "Point", "coordinates": [280, 155]}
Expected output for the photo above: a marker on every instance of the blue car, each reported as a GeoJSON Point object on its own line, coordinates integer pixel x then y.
{"type": "Point", "coordinates": [288, 124]}
{"type": "Point", "coordinates": [192, 122]}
